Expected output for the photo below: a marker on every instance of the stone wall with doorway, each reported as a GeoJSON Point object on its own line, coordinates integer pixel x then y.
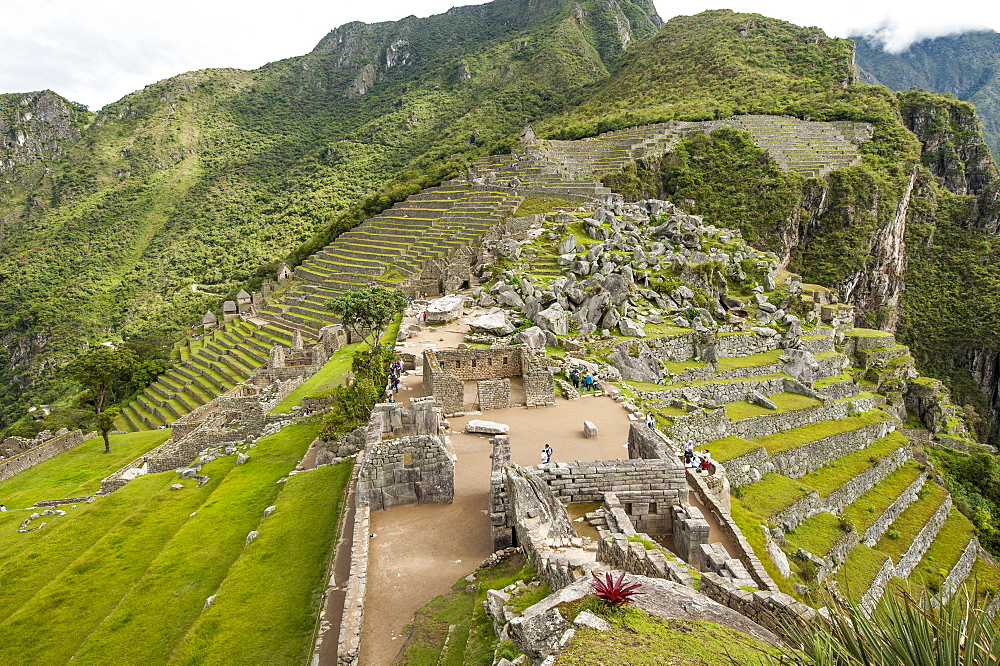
{"type": "Point", "coordinates": [415, 469]}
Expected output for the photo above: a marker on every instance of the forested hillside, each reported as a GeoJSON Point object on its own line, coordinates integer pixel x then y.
{"type": "Point", "coordinates": [133, 219]}
{"type": "Point", "coordinates": [966, 66]}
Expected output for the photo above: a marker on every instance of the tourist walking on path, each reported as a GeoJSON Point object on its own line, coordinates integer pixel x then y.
{"type": "Point", "coordinates": [588, 382]}
{"type": "Point", "coordinates": [546, 455]}
{"type": "Point", "coordinates": [650, 421]}
{"type": "Point", "coordinates": [688, 453]}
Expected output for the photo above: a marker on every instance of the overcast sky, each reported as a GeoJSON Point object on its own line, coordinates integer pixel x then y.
{"type": "Point", "coordinates": [97, 51]}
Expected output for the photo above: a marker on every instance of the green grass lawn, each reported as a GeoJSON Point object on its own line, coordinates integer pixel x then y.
{"type": "Point", "coordinates": [727, 448]}
{"type": "Point", "coordinates": [772, 494]}
{"type": "Point", "coordinates": [786, 402]}
{"type": "Point", "coordinates": [332, 373]}
{"type": "Point", "coordinates": [944, 552]}
{"type": "Point", "coordinates": [299, 539]}
{"type": "Point", "coordinates": [78, 471]}
{"type": "Point", "coordinates": [859, 569]}
{"type": "Point", "coordinates": [472, 641]}
{"type": "Point", "coordinates": [864, 511]}
{"type": "Point", "coordinates": [796, 437]}
{"type": "Point", "coordinates": [905, 528]}
{"type": "Point", "coordinates": [190, 568]}
{"type": "Point", "coordinates": [832, 476]}
{"type": "Point", "coordinates": [640, 639]}
{"type": "Point", "coordinates": [818, 534]}
{"type": "Point", "coordinates": [754, 361]}
{"type": "Point", "coordinates": [126, 577]}
{"type": "Point", "coordinates": [750, 525]}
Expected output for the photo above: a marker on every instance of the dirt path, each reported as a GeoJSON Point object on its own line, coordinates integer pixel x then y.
{"type": "Point", "coordinates": [418, 552]}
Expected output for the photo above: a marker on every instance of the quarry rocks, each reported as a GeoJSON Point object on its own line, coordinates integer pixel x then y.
{"type": "Point", "coordinates": [493, 323]}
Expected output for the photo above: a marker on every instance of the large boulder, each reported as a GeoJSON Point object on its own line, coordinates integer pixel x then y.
{"type": "Point", "coordinates": [631, 328]}
{"type": "Point", "coordinates": [492, 323]}
{"type": "Point", "coordinates": [553, 318]}
{"type": "Point", "coordinates": [487, 427]}
{"type": "Point", "coordinates": [532, 337]}
{"type": "Point", "coordinates": [445, 309]}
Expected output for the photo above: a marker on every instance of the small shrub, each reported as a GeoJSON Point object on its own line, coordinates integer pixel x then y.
{"type": "Point", "coordinates": [892, 534]}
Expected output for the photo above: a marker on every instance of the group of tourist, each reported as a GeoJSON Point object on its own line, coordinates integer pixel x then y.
{"type": "Point", "coordinates": [395, 372]}
{"type": "Point", "coordinates": [700, 460]}
{"type": "Point", "coordinates": [588, 381]}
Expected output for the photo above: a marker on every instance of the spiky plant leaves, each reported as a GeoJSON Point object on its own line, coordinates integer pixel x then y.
{"type": "Point", "coordinates": [614, 592]}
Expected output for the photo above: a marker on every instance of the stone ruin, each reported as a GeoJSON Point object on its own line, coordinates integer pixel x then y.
{"type": "Point", "coordinates": [405, 459]}
{"type": "Point", "coordinates": [300, 360]}
{"type": "Point", "coordinates": [445, 372]}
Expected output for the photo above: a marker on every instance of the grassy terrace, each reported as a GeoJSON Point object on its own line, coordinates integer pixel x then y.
{"type": "Point", "coordinates": [331, 374]}
{"type": "Point", "coordinates": [832, 476]}
{"type": "Point", "coordinates": [867, 333]}
{"type": "Point", "coordinates": [76, 472]}
{"type": "Point", "coordinates": [754, 361]}
{"type": "Point", "coordinates": [125, 578]}
{"type": "Point", "coordinates": [859, 569]}
{"type": "Point", "coordinates": [865, 510]}
{"type": "Point", "coordinates": [728, 448]}
{"type": "Point", "coordinates": [772, 494]}
{"type": "Point", "coordinates": [750, 525]}
{"type": "Point", "coordinates": [795, 437]}
{"type": "Point", "coordinates": [786, 402]}
{"type": "Point", "coordinates": [954, 536]}
{"type": "Point", "coordinates": [818, 534]}
{"type": "Point", "coordinates": [905, 528]}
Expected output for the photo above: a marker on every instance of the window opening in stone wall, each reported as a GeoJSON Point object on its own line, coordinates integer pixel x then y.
{"type": "Point", "coordinates": [458, 364]}
{"type": "Point", "coordinates": [473, 363]}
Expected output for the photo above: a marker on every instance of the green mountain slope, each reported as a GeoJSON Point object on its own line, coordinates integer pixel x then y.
{"type": "Point", "coordinates": [966, 66]}
{"type": "Point", "coordinates": [157, 205]}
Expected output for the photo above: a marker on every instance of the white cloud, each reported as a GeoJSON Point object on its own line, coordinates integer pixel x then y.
{"type": "Point", "coordinates": [97, 51]}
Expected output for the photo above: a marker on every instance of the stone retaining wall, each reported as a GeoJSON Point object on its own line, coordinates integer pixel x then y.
{"type": "Point", "coordinates": [801, 460]}
{"type": "Point", "coordinates": [349, 640]}
{"type": "Point", "coordinates": [745, 344]}
{"type": "Point", "coordinates": [501, 521]}
{"type": "Point", "coordinates": [866, 480]}
{"type": "Point", "coordinates": [922, 542]}
{"type": "Point", "coordinates": [905, 499]}
{"type": "Point", "coordinates": [618, 552]}
{"type": "Point", "coordinates": [22, 461]}
{"type": "Point", "coordinates": [961, 570]}
{"type": "Point", "coordinates": [657, 480]}
{"type": "Point", "coordinates": [771, 609]}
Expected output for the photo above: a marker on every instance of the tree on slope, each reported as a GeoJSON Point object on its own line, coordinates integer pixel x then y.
{"type": "Point", "coordinates": [368, 312]}
{"type": "Point", "coordinates": [103, 371]}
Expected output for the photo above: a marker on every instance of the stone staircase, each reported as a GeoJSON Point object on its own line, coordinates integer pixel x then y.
{"type": "Point", "coordinates": [208, 366]}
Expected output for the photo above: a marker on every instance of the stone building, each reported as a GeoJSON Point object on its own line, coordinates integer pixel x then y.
{"type": "Point", "coordinates": [446, 372]}
{"type": "Point", "coordinates": [209, 321]}
{"type": "Point", "coordinates": [229, 311]}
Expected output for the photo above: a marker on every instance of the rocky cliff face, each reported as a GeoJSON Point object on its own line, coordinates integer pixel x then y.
{"type": "Point", "coordinates": [35, 124]}
{"type": "Point", "coordinates": [952, 143]}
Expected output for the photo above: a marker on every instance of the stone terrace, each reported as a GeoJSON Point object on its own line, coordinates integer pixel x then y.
{"type": "Point", "coordinates": [403, 243]}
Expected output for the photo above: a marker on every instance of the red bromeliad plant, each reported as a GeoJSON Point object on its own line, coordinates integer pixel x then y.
{"type": "Point", "coordinates": [614, 592]}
